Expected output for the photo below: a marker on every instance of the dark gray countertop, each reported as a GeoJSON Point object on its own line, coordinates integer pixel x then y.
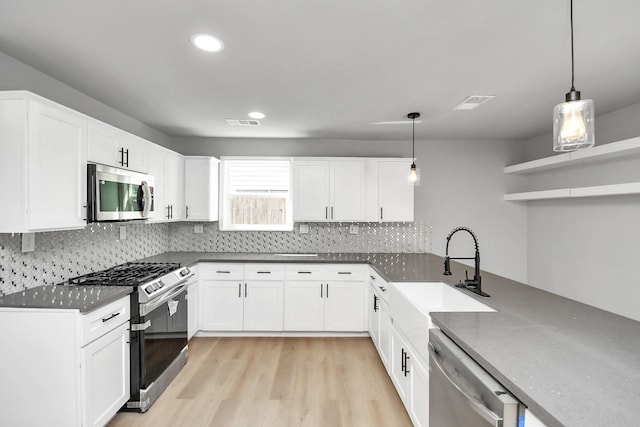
{"type": "Point", "coordinates": [81, 298]}
{"type": "Point", "coordinates": [571, 364]}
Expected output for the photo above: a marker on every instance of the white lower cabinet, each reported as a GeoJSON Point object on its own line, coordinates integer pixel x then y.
{"type": "Point", "coordinates": [193, 313]}
{"type": "Point", "coordinates": [329, 297]}
{"type": "Point", "coordinates": [74, 365]}
{"type": "Point", "coordinates": [411, 379]}
{"type": "Point", "coordinates": [263, 304]}
{"type": "Point", "coordinates": [304, 306]}
{"type": "Point", "coordinates": [240, 302]}
{"type": "Point", "coordinates": [379, 324]}
{"type": "Point", "coordinates": [222, 305]}
{"type": "Point", "coordinates": [105, 389]}
{"type": "Point", "coordinates": [270, 297]}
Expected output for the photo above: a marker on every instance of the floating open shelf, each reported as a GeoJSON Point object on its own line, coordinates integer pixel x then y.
{"type": "Point", "coordinates": [564, 193]}
{"type": "Point", "coordinates": [599, 152]}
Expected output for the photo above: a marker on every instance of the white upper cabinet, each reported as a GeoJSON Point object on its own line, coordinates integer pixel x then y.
{"type": "Point", "coordinates": [395, 192]}
{"type": "Point", "coordinates": [167, 168]}
{"type": "Point", "coordinates": [348, 183]}
{"type": "Point", "coordinates": [174, 185]}
{"type": "Point", "coordinates": [201, 188]}
{"type": "Point", "coordinates": [329, 190]}
{"type": "Point", "coordinates": [311, 190]}
{"type": "Point", "coordinates": [43, 164]}
{"type": "Point", "coordinates": [114, 147]}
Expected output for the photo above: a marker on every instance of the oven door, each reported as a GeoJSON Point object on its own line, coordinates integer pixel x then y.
{"type": "Point", "coordinates": [165, 337]}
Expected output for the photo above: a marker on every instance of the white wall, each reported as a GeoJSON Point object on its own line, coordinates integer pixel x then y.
{"type": "Point", "coordinates": [462, 184]}
{"type": "Point", "coordinates": [15, 75]}
{"type": "Point", "coordinates": [588, 249]}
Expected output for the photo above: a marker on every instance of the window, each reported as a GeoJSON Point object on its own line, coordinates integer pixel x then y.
{"type": "Point", "coordinates": [255, 194]}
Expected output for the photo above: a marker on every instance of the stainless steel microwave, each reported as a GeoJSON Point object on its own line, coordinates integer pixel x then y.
{"type": "Point", "coordinates": [115, 194]}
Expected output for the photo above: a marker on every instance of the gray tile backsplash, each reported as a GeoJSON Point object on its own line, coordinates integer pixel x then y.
{"type": "Point", "coordinates": [396, 237]}
{"type": "Point", "coordinates": [60, 255]}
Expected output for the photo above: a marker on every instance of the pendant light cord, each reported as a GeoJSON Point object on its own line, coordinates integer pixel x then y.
{"type": "Point", "coordinates": [572, 61]}
{"type": "Point", "coordinates": [413, 138]}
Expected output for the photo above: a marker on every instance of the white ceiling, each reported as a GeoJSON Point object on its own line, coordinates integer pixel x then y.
{"type": "Point", "coordinates": [331, 68]}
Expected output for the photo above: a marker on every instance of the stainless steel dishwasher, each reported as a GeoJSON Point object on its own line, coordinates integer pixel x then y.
{"type": "Point", "coordinates": [462, 394]}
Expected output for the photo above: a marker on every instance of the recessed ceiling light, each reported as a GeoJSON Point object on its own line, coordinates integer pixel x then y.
{"type": "Point", "coordinates": [207, 43]}
{"type": "Point", "coordinates": [256, 115]}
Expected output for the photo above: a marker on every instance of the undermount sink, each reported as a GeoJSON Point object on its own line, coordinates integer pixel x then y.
{"type": "Point", "coordinates": [411, 303]}
{"type": "Point", "coordinates": [301, 255]}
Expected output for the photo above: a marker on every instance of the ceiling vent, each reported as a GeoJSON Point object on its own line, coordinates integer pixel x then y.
{"type": "Point", "coordinates": [472, 102]}
{"type": "Point", "coordinates": [234, 122]}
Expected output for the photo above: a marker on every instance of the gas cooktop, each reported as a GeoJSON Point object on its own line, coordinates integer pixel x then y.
{"type": "Point", "coordinates": [129, 274]}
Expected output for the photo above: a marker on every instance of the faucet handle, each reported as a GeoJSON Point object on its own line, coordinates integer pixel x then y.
{"type": "Point", "coordinates": [447, 266]}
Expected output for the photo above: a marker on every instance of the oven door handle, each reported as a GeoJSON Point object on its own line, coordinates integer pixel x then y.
{"type": "Point", "coordinates": [152, 305]}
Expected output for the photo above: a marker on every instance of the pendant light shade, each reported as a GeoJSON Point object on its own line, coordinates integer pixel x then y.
{"type": "Point", "coordinates": [573, 120]}
{"type": "Point", "coordinates": [414, 173]}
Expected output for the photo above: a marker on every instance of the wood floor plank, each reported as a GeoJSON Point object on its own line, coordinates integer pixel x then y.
{"type": "Point", "coordinates": [277, 382]}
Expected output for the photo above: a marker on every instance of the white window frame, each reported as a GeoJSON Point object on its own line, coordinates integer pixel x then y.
{"type": "Point", "coordinates": [225, 198]}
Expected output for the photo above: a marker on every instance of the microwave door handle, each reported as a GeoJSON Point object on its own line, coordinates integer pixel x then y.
{"type": "Point", "coordinates": [144, 200]}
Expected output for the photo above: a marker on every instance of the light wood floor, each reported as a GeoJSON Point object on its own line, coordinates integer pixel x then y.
{"type": "Point", "coordinates": [288, 382]}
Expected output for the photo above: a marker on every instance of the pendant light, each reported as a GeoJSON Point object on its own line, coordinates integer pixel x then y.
{"type": "Point", "coordinates": [414, 175]}
{"type": "Point", "coordinates": [573, 120]}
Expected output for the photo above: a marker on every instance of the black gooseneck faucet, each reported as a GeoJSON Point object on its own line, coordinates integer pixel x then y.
{"type": "Point", "coordinates": [474, 285]}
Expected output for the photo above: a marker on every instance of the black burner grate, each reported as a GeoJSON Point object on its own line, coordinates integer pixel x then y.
{"type": "Point", "coordinates": [129, 274]}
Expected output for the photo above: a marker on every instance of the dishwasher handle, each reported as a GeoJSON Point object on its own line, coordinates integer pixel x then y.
{"type": "Point", "coordinates": [487, 414]}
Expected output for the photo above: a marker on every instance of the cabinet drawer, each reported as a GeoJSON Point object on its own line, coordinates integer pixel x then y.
{"type": "Point", "coordinates": [104, 319]}
{"type": "Point", "coordinates": [263, 271]}
{"type": "Point", "coordinates": [304, 272]}
{"type": "Point", "coordinates": [345, 272]}
{"type": "Point", "coordinates": [230, 271]}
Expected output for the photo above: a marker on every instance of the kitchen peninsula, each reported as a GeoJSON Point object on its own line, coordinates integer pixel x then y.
{"type": "Point", "coordinates": [569, 363]}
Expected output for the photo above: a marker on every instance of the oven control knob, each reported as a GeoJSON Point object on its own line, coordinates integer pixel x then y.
{"type": "Point", "coordinates": [148, 290]}
{"type": "Point", "coordinates": [160, 284]}
{"type": "Point", "coordinates": [185, 272]}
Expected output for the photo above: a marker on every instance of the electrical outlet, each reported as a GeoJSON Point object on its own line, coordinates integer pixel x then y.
{"type": "Point", "coordinates": [304, 228]}
{"type": "Point", "coordinates": [198, 228]}
{"type": "Point", "coordinates": [28, 242]}
{"type": "Point", "coordinates": [353, 229]}
{"type": "Point", "coordinates": [123, 232]}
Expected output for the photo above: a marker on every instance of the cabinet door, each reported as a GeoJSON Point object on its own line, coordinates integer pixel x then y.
{"type": "Point", "coordinates": [111, 146]}
{"type": "Point", "coordinates": [419, 395]}
{"type": "Point", "coordinates": [192, 307]}
{"type": "Point", "coordinates": [397, 370]}
{"type": "Point", "coordinates": [348, 190]}
{"type": "Point", "coordinates": [311, 190]}
{"type": "Point", "coordinates": [222, 305]}
{"type": "Point", "coordinates": [395, 192]}
{"type": "Point", "coordinates": [263, 306]}
{"type": "Point", "coordinates": [174, 185]}
{"type": "Point", "coordinates": [344, 306]}
{"type": "Point", "coordinates": [57, 168]}
{"type": "Point", "coordinates": [374, 317]}
{"type": "Point", "coordinates": [384, 343]}
{"type": "Point", "coordinates": [137, 153]}
{"type": "Point", "coordinates": [304, 306]}
{"type": "Point", "coordinates": [201, 188]}
{"type": "Point", "coordinates": [105, 376]}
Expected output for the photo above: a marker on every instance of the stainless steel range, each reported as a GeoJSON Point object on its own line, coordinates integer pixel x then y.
{"type": "Point", "coordinates": [158, 324]}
